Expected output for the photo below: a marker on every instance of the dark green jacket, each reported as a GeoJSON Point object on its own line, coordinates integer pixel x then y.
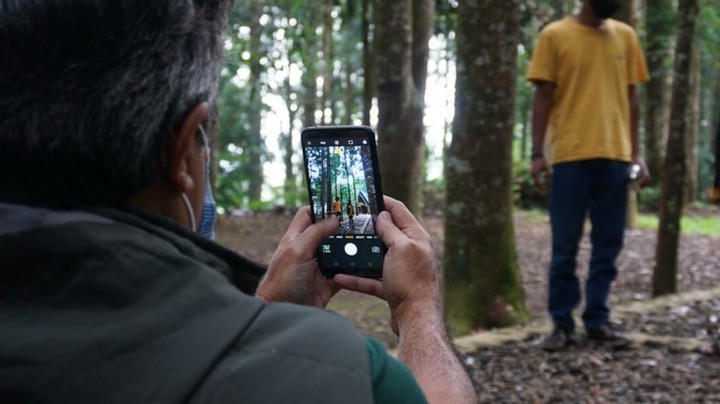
{"type": "Point", "coordinates": [110, 306]}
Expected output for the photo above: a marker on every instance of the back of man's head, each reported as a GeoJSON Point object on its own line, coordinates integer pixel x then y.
{"type": "Point", "coordinates": [90, 91]}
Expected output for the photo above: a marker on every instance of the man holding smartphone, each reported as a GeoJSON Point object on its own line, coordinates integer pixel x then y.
{"type": "Point", "coordinates": [109, 294]}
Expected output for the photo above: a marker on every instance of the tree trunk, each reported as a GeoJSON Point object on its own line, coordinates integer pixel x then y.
{"type": "Point", "coordinates": [309, 77]}
{"type": "Point", "coordinates": [327, 61]}
{"type": "Point", "coordinates": [629, 12]}
{"type": "Point", "coordinates": [286, 144]}
{"type": "Point", "coordinates": [660, 18]}
{"type": "Point", "coordinates": [673, 186]}
{"type": "Point", "coordinates": [628, 15]}
{"type": "Point", "coordinates": [400, 150]}
{"type": "Point", "coordinates": [255, 140]}
{"type": "Point", "coordinates": [482, 279]}
{"type": "Point", "coordinates": [368, 64]}
{"type": "Point", "coordinates": [693, 129]}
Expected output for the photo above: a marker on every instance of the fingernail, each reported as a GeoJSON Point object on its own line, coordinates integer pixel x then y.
{"type": "Point", "coordinates": [384, 215]}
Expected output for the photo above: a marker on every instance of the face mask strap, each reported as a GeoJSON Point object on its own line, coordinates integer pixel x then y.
{"type": "Point", "coordinates": [207, 220]}
{"type": "Point", "coordinates": [189, 209]}
{"type": "Point", "coordinates": [205, 141]}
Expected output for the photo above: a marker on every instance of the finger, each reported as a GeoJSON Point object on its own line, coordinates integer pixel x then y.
{"type": "Point", "coordinates": [300, 222]}
{"type": "Point", "coordinates": [400, 213]}
{"type": "Point", "coordinates": [325, 289]}
{"type": "Point", "coordinates": [372, 287]}
{"type": "Point", "coordinates": [317, 233]}
{"type": "Point", "coordinates": [388, 232]}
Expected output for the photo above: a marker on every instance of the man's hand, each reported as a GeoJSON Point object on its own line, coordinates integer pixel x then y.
{"type": "Point", "coordinates": [411, 286]}
{"type": "Point", "coordinates": [540, 173]}
{"type": "Point", "coordinates": [293, 274]}
{"type": "Point", "coordinates": [645, 173]}
{"type": "Point", "coordinates": [410, 279]}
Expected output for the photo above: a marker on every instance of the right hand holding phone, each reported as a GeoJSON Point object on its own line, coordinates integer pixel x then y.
{"type": "Point", "coordinates": [410, 283]}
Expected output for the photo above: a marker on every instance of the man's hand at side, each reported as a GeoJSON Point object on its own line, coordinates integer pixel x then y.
{"type": "Point", "coordinates": [293, 274]}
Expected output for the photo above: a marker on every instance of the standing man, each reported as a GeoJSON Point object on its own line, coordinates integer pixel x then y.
{"type": "Point", "coordinates": [585, 68]}
{"type": "Point", "coordinates": [337, 209]}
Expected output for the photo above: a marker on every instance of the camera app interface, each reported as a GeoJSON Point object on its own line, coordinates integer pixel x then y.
{"type": "Point", "coordinates": [342, 187]}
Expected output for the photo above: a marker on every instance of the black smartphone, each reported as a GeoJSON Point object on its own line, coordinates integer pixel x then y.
{"type": "Point", "coordinates": [343, 181]}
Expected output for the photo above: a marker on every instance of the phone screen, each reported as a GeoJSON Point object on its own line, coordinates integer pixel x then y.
{"type": "Point", "coordinates": [344, 185]}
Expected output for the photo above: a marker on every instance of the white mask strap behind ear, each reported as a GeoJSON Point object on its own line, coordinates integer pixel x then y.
{"type": "Point", "coordinates": [189, 209]}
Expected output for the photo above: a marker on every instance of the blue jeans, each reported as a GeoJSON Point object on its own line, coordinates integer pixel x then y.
{"type": "Point", "coordinates": [598, 187]}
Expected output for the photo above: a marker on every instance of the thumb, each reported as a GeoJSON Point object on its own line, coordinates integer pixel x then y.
{"type": "Point", "coordinates": [386, 229]}
{"type": "Point", "coordinates": [319, 232]}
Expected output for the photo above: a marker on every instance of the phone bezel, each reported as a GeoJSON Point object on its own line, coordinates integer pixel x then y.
{"type": "Point", "coordinates": [340, 132]}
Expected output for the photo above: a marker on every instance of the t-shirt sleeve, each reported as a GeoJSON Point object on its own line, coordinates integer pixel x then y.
{"type": "Point", "coordinates": [392, 381]}
{"type": "Point", "coordinates": [544, 60]}
{"type": "Point", "coordinates": [637, 70]}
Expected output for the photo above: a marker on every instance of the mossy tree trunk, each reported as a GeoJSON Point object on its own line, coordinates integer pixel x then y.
{"type": "Point", "coordinates": [400, 51]}
{"type": "Point", "coordinates": [674, 175]}
{"type": "Point", "coordinates": [482, 278]}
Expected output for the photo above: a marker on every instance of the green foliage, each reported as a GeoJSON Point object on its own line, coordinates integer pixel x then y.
{"type": "Point", "coordinates": [696, 225]}
{"type": "Point", "coordinates": [289, 39]}
{"type": "Point", "coordinates": [649, 199]}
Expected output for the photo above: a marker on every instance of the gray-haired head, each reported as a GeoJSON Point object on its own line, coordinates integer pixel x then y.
{"type": "Point", "coordinates": [91, 90]}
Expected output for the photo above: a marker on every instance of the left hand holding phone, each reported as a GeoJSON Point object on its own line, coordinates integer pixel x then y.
{"type": "Point", "coordinates": [293, 275]}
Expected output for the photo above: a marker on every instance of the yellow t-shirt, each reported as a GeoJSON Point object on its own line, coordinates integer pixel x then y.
{"type": "Point", "coordinates": [592, 69]}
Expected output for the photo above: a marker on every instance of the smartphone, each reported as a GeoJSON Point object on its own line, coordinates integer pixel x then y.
{"type": "Point", "coordinates": [343, 181]}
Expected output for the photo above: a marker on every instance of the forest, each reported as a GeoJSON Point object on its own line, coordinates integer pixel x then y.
{"type": "Point", "coordinates": [443, 83]}
{"type": "Point", "coordinates": [435, 79]}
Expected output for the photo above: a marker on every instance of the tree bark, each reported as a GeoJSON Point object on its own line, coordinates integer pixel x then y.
{"type": "Point", "coordinates": [673, 186]}
{"type": "Point", "coordinates": [400, 150]}
{"type": "Point", "coordinates": [368, 64]}
{"type": "Point", "coordinates": [660, 18]}
{"type": "Point", "coordinates": [693, 128]}
{"type": "Point", "coordinates": [255, 140]}
{"type": "Point", "coordinates": [327, 62]}
{"type": "Point", "coordinates": [628, 15]}
{"type": "Point", "coordinates": [629, 12]}
{"type": "Point", "coordinates": [482, 279]}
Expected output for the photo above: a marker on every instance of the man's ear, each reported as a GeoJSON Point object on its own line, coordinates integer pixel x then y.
{"type": "Point", "coordinates": [179, 149]}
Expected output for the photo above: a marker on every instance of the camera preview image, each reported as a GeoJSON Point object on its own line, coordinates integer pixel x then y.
{"type": "Point", "coordinates": [342, 186]}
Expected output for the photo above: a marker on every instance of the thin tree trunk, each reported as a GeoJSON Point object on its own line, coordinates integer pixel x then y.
{"type": "Point", "coordinates": [327, 61]}
{"type": "Point", "coordinates": [659, 26]}
{"type": "Point", "coordinates": [628, 14]}
{"type": "Point", "coordinates": [286, 142]}
{"type": "Point", "coordinates": [671, 206]}
{"type": "Point", "coordinates": [693, 122]}
{"type": "Point", "coordinates": [482, 279]}
{"type": "Point", "coordinates": [368, 64]}
{"type": "Point", "coordinates": [255, 140]}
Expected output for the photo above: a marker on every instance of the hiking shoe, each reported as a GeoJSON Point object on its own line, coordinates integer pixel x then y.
{"type": "Point", "coordinates": [606, 334]}
{"type": "Point", "coordinates": [558, 340]}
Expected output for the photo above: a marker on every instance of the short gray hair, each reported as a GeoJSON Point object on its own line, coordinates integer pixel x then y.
{"type": "Point", "coordinates": [91, 90]}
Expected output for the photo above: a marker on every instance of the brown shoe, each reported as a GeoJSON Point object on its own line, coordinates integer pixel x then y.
{"type": "Point", "coordinates": [559, 340]}
{"type": "Point", "coordinates": [606, 334]}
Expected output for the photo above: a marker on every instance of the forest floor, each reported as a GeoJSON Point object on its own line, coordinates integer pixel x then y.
{"type": "Point", "coordinates": [669, 361]}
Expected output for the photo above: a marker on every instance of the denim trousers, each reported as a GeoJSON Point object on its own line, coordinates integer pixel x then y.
{"type": "Point", "coordinates": [596, 188]}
